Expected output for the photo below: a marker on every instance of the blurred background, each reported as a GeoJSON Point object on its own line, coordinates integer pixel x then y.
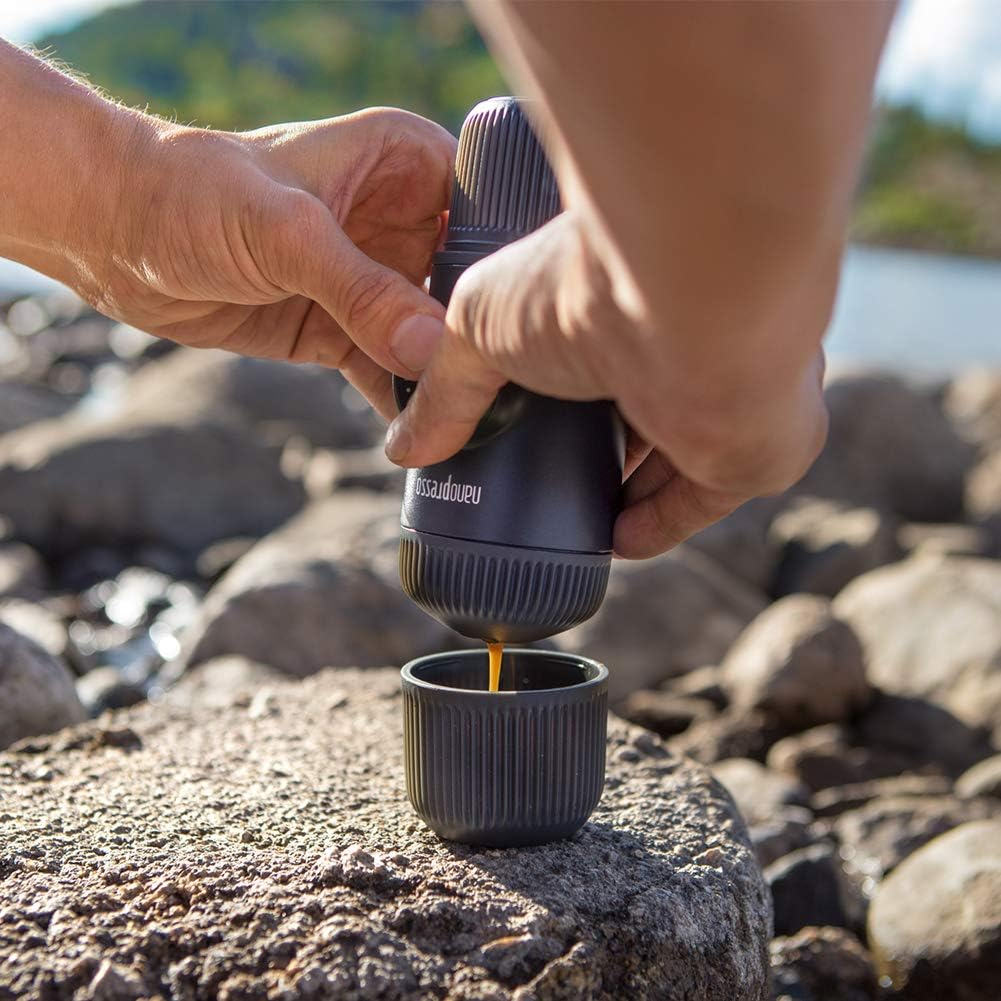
{"type": "Point", "coordinates": [932, 182]}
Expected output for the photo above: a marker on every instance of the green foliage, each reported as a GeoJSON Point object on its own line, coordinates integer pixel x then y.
{"type": "Point", "coordinates": [239, 65]}
{"type": "Point", "coordinates": [900, 215]}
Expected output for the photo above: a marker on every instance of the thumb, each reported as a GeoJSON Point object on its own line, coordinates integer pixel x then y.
{"type": "Point", "coordinates": [454, 392]}
{"type": "Point", "coordinates": [396, 323]}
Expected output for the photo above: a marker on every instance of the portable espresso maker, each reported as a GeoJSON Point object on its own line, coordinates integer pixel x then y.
{"type": "Point", "coordinates": [509, 541]}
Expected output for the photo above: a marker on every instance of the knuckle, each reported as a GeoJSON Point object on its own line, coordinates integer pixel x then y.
{"type": "Point", "coordinates": [366, 299]}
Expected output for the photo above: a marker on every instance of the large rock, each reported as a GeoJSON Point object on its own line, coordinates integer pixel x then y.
{"type": "Point", "coordinates": [321, 592]}
{"type": "Point", "coordinates": [931, 627]}
{"type": "Point", "coordinates": [270, 853]}
{"type": "Point", "coordinates": [935, 923]}
{"type": "Point", "coordinates": [23, 403]}
{"type": "Point", "coordinates": [163, 475]}
{"type": "Point", "coordinates": [277, 399]}
{"type": "Point", "coordinates": [799, 663]}
{"type": "Point", "coordinates": [36, 690]}
{"type": "Point", "coordinates": [877, 837]}
{"type": "Point", "coordinates": [890, 447]}
{"type": "Point", "coordinates": [822, 545]}
{"type": "Point", "coordinates": [663, 617]}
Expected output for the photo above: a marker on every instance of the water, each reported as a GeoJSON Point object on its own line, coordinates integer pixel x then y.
{"type": "Point", "coordinates": [897, 309]}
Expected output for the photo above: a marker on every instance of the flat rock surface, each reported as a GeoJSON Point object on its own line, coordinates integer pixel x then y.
{"type": "Point", "coordinates": [265, 849]}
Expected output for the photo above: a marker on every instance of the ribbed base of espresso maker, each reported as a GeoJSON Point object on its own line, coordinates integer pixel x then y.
{"type": "Point", "coordinates": [501, 593]}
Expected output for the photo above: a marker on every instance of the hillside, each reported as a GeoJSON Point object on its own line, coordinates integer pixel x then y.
{"type": "Point", "coordinates": [241, 65]}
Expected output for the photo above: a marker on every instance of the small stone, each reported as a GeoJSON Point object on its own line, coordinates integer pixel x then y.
{"type": "Point", "coordinates": [822, 964]}
{"type": "Point", "coordinates": [935, 922]}
{"type": "Point", "coordinates": [918, 539]}
{"type": "Point", "coordinates": [785, 833]}
{"type": "Point", "coordinates": [799, 663]}
{"type": "Point", "coordinates": [114, 983]}
{"type": "Point", "coordinates": [104, 688]}
{"type": "Point", "coordinates": [22, 572]}
{"type": "Point", "coordinates": [37, 622]}
{"type": "Point", "coordinates": [809, 888]}
{"type": "Point", "coordinates": [732, 734]}
{"type": "Point", "coordinates": [840, 799]}
{"type": "Point", "coordinates": [983, 779]}
{"type": "Point", "coordinates": [700, 683]}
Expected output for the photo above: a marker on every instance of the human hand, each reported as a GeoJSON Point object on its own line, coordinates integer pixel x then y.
{"type": "Point", "coordinates": [552, 313]}
{"type": "Point", "coordinates": [306, 242]}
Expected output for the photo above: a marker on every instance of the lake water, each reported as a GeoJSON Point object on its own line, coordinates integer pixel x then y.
{"type": "Point", "coordinates": [897, 309]}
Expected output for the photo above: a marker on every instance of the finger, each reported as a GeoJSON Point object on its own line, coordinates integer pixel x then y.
{"type": "Point", "coordinates": [397, 324]}
{"type": "Point", "coordinates": [661, 520]}
{"type": "Point", "coordinates": [372, 381]}
{"type": "Point", "coordinates": [454, 392]}
{"type": "Point", "coordinates": [637, 450]}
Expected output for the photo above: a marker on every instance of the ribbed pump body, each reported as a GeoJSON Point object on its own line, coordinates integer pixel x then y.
{"type": "Point", "coordinates": [510, 540]}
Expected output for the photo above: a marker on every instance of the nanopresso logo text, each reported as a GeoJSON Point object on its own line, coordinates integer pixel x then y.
{"type": "Point", "coordinates": [446, 490]}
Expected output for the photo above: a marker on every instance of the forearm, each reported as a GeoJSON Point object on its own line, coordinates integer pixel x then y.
{"type": "Point", "coordinates": [64, 170]}
{"type": "Point", "coordinates": [716, 146]}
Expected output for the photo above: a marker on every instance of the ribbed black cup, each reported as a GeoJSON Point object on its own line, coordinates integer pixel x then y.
{"type": "Point", "coordinates": [523, 766]}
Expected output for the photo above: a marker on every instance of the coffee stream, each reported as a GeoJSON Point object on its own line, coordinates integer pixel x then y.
{"type": "Point", "coordinates": [496, 654]}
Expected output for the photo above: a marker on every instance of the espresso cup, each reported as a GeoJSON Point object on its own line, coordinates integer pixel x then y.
{"type": "Point", "coordinates": [522, 766]}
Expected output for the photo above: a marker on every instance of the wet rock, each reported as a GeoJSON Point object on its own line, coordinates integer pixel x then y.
{"type": "Point", "coordinates": [732, 734]}
{"type": "Point", "coordinates": [24, 403]}
{"type": "Point", "coordinates": [839, 799]}
{"type": "Point", "coordinates": [22, 572]}
{"type": "Point", "coordinates": [822, 964]}
{"type": "Point", "coordinates": [276, 399]}
{"type": "Point", "coordinates": [104, 688]}
{"type": "Point", "coordinates": [822, 545]}
{"type": "Point", "coordinates": [950, 945]}
{"type": "Point", "coordinates": [760, 795]}
{"type": "Point", "coordinates": [320, 878]}
{"type": "Point", "coordinates": [799, 663]}
{"type": "Point", "coordinates": [323, 591]}
{"type": "Point", "coordinates": [144, 476]}
{"type": "Point", "coordinates": [931, 627]}
{"type": "Point", "coordinates": [36, 690]}
{"type": "Point", "coordinates": [666, 714]}
{"type": "Point", "coordinates": [973, 403]}
{"type": "Point", "coordinates": [878, 836]}
{"type": "Point", "coordinates": [809, 888]}
{"type": "Point", "coordinates": [890, 447]}
{"type": "Point", "coordinates": [983, 779]}
{"type": "Point", "coordinates": [663, 617]}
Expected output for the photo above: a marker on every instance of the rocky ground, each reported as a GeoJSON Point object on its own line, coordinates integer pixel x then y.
{"type": "Point", "coordinates": [190, 534]}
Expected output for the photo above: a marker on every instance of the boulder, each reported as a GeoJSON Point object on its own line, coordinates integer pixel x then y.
{"type": "Point", "coordinates": [809, 888]}
{"type": "Point", "coordinates": [973, 403]}
{"type": "Point", "coordinates": [931, 627]}
{"type": "Point", "coordinates": [877, 837]}
{"type": "Point", "coordinates": [822, 964]}
{"type": "Point", "coordinates": [22, 572]}
{"type": "Point", "coordinates": [666, 714]}
{"type": "Point", "coordinates": [890, 447]}
{"type": "Point", "coordinates": [276, 399]}
{"type": "Point", "coordinates": [822, 545]}
{"type": "Point", "coordinates": [171, 478]}
{"type": "Point", "coordinates": [761, 795]}
{"type": "Point", "coordinates": [36, 690]}
{"type": "Point", "coordinates": [983, 779]}
{"type": "Point", "coordinates": [935, 923]}
{"type": "Point", "coordinates": [663, 617]}
{"type": "Point", "coordinates": [323, 591]}
{"type": "Point", "coordinates": [227, 853]}
{"type": "Point", "coordinates": [799, 663]}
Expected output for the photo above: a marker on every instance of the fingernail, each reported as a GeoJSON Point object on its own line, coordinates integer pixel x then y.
{"type": "Point", "coordinates": [397, 441]}
{"type": "Point", "coordinates": [414, 340]}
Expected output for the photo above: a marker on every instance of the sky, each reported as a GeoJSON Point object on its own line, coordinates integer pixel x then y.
{"type": "Point", "coordinates": [943, 54]}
